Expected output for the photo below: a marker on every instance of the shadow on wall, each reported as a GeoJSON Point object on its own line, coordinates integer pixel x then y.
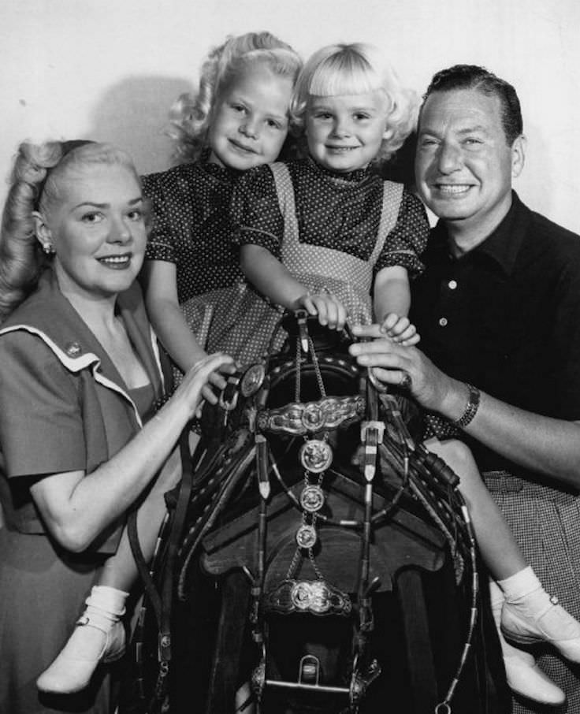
{"type": "Point", "coordinates": [133, 114]}
{"type": "Point", "coordinates": [401, 166]}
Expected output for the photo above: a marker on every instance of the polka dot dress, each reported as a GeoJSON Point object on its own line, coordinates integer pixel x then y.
{"type": "Point", "coordinates": [379, 225]}
{"type": "Point", "coordinates": [191, 228]}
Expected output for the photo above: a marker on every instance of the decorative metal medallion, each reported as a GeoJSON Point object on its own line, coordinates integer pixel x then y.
{"type": "Point", "coordinates": [301, 595]}
{"type": "Point", "coordinates": [313, 416]}
{"type": "Point", "coordinates": [318, 597]}
{"type": "Point", "coordinates": [306, 536]}
{"type": "Point", "coordinates": [312, 498]}
{"type": "Point", "coordinates": [252, 380]}
{"type": "Point", "coordinates": [315, 455]}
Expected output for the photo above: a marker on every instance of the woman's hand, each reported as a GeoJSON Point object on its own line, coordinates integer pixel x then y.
{"type": "Point", "coordinates": [331, 312]}
{"type": "Point", "coordinates": [404, 366]}
{"type": "Point", "coordinates": [215, 379]}
{"type": "Point", "coordinates": [198, 382]}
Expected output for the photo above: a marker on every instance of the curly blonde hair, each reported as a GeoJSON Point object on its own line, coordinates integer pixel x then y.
{"type": "Point", "coordinates": [190, 116]}
{"type": "Point", "coordinates": [357, 68]}
{"type": "Point", "coordinates": [36, 184]}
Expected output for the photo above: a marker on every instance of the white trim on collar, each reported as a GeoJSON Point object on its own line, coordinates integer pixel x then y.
{"type": "Point", "coordinates": [76, 362]}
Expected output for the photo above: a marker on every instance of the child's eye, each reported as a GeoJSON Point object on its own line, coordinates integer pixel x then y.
{"type": "Point", "coordinates": [359, 116]}
{"type": "Point", "coordinates": [238, 107]}
{"type": "Point", "coordinates": [322, 115]}
{"type": "Point", "coordinates": [273, 124]}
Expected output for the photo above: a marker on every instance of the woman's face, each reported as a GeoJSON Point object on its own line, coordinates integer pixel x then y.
{"type": "Point", "coordinates": [98, 230]}
{"type": "Point", "coordinates": [249, 122]}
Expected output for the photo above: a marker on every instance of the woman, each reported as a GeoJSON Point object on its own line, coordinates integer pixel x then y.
{"type": "Point", "coordinates": [79, 379]}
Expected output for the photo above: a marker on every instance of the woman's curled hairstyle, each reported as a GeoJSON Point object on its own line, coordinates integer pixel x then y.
{"type": "Point", "coordinates": [35, 186]}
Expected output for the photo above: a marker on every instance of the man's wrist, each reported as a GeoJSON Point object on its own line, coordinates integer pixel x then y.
{"type": "Point", "coordinates": [454, 400]}
{"type": "Point", "coordinates": [470, 409]}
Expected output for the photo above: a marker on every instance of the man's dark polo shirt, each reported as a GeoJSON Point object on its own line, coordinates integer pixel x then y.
{"type": "Point", "coordinates": [506, 316]}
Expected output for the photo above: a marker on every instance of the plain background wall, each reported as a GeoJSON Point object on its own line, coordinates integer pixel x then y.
{"type": "Point", "coordinates": [110, 69]}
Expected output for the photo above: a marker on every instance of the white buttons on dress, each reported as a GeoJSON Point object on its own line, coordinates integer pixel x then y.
{"type": "Point", "coordinates": [452, 284]}
{"type": "Point", "coordinates": [443, 321]}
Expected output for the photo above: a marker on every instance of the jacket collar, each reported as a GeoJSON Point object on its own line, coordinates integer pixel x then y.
{"type": "Point", "coordinates": [50, 316]}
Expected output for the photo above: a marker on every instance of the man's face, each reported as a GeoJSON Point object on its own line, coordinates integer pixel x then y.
{"type": "Point", "coordinates": [464, 166]}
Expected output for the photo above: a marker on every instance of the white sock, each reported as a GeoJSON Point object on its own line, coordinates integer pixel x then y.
{"type": "Point", "coordinates": [520, 584]}
{"type": "Point", "coordinates": [106, 601]}
{"type": "Point", "coordinates": [496, 596]}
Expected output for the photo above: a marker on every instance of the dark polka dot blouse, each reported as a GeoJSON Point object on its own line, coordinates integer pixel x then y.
{"type": "Point", "coordinates": [191, 226]}
{"type": "Point", "coordinates": [334, 210]}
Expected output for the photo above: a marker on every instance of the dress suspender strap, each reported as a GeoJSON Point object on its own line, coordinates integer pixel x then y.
{"type": "Point", "coordinates": [287, 202]}
{"type": "Point", "coordinates": [392, 196]}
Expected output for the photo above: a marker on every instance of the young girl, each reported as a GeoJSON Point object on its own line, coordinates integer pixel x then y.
{"type": "Point", "coordinates": [325, 234]}
{"type": "Point", "coordinates": [239, 119]}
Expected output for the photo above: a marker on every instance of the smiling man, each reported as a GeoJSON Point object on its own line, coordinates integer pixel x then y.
{"type": "Point", "coordinates": [498, 311]}
{"type": "Point", "coordinates": [499, 307]}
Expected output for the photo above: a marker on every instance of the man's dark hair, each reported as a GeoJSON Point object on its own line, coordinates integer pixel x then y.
{"type": "Point", "coordinates": [469, 76]}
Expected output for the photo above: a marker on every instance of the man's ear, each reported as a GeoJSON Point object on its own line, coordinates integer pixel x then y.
{"type": "Point", "coordinates": [518, 155]}
{"type": "Point", "coordinates": [43, 232]}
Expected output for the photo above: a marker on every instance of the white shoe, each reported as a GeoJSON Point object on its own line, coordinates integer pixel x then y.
{"type": "Point", "coordinates": [525, 678]}
{"type": "Point", "coordinates": [523, 675]}
{"type": "Point", "coordinates": [551, 624]}
{"type": "Point", "coordinates": [91, 642]}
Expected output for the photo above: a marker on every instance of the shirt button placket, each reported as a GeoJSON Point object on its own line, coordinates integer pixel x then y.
{"type": "Point", "coordinates": [451, 286]}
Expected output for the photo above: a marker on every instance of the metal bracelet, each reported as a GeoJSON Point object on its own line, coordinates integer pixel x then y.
{"type": "Point", "coordinates": [470, 408]}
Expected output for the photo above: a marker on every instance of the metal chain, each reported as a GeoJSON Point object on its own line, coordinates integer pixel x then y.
{"type": "Point", "coordinates": [316, 367]}
{"type": "Point", "coordinates": [298, 375]}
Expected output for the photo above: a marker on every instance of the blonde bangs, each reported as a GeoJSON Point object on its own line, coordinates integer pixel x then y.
{"type": "Point", "coordinates": [345, 74]}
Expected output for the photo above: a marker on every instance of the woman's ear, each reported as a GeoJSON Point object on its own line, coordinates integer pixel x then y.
{"type": "Point", "coordinates": [43, 232]}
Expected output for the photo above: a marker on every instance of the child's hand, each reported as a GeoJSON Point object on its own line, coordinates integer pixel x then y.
{"type": "Point", "coordinates": [400, 330]}
{"type": "Point", "coordinates": [331, 312]}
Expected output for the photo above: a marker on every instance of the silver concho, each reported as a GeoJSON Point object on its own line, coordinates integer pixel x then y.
{"type": "Point", "coordinates": [306, 536]}
{"type": "Point", "coordinates": [312, 498]}
{"type": "Point", "coordinates": [252, 380]}
{"type": "Point", "coordinates": [313, 417]}
{"type": "Point", "coordinates": [315, 455]}
{"type": "Point", "coordinates": [301, 595]}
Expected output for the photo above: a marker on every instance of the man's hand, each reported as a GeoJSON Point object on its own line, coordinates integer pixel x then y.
{"type": "Point", "coordinates": [392, 362]}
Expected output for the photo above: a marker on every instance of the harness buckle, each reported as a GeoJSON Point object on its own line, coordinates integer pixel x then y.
{"type": "Point", "coordinates": [371, 435]}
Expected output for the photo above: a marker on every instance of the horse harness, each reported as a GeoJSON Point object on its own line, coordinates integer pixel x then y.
{"type": "Point", "coordinates": [249, 423]}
